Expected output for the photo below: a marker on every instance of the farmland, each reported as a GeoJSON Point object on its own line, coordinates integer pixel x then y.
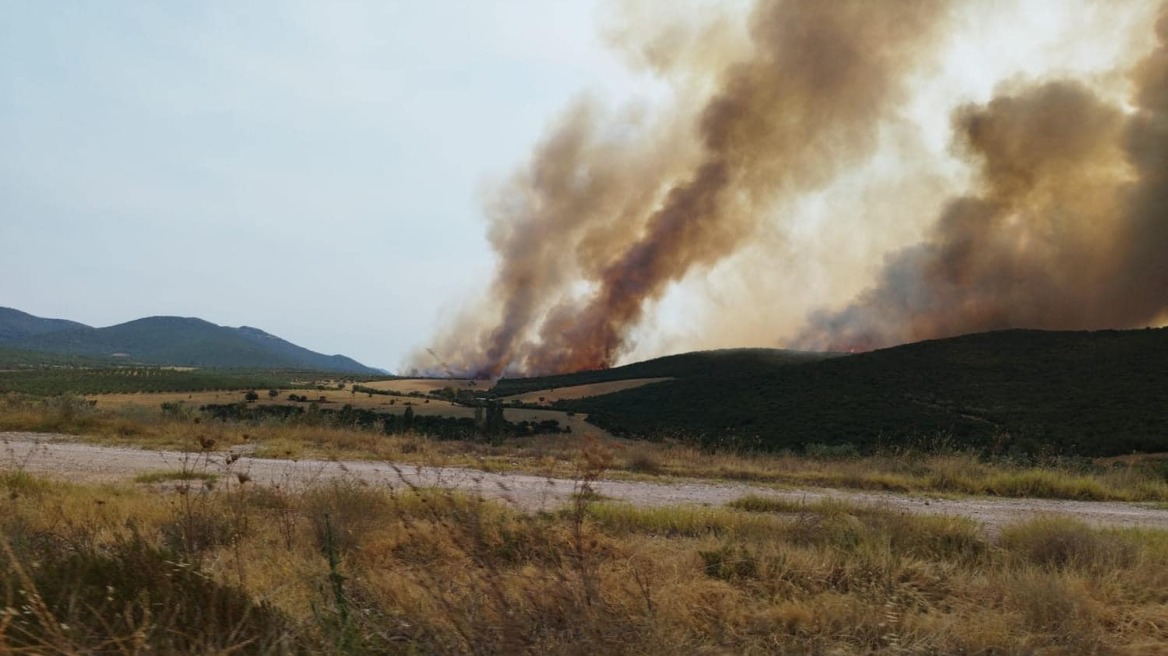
{"type": "Point", "coordinates": [292, 504]}
{"type": "Point", "coordinates": [1022, 393]}
{"type": "Point", "coordinates": [44, 380]}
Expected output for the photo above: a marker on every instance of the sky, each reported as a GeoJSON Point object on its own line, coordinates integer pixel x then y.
{"type": "Point", "coordinates": [314, 169]}
{"type": "Point", "coordinates": [319, 169]}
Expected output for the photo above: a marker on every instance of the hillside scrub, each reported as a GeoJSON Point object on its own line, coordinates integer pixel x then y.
{"type": "Point", "coordinates": [1013, 392]}
{"type": "Point", "coordinates": [345, 568]}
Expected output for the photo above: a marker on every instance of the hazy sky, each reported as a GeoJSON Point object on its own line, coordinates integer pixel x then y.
{"type": "Point", "coordinates": [314, 169]}
{"type": "Point", "coordinates": [318, 169]}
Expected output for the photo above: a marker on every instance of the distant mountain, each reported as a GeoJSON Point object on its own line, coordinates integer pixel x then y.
{"type": "Point", "coordinates": [15, 324]}
{"type": "Point", "coordinates": [1026, 391]}
{"type": "Point", "coordinates": [174, 341]}
{"type": "Point", "coordinates": [292, 351]}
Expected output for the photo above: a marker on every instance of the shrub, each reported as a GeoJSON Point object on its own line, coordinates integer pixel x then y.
{"type": "Point", "coordinates": [832, 451]}
{"type": "Point", "coordinates": [730, 562]}
{"type": "Point", "coordinates": [353, 510]}
{"type": "Point", "coordinates": [643, 462]}
{"type": "Point", "coordinates": [1059, 543]}
{"type": "Point", "coordinates": [129, 598]}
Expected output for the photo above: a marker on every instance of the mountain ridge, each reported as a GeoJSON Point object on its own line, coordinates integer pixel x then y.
{"type": "Point", "coordinates": [168, 341]}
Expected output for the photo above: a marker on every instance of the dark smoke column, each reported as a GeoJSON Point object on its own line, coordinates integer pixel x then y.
{"type": "Point", "coordinates": [804, 106]}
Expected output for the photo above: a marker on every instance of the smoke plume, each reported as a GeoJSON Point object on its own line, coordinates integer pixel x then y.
{"type": "Point", "coordinates": [625, 215]}
{"type": "Point", "coordinates": [1069, 229]}
{"type": "Point", "coordinates": [1065, 225]}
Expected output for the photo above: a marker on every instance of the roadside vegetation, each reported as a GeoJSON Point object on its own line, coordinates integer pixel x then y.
{"type": "Point", "coordinates": [194, 565]}
{"type": "Point", "coordinates": [934, 467]}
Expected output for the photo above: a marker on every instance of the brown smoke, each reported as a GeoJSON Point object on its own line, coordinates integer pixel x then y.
{"type": "Point", "coordinates": [1068, 230]}
{"type": "Point", "coordinates": [608, 215]}
{"type": "Point", "coordinates": [1066, 226]}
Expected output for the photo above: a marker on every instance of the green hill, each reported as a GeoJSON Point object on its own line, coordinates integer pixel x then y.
{"type": "Point", "coordinates": [1092, 393]}
{"type": "Point", "coordinates": [15, 325]}
{"type": "Point", "coordinates": [169, 341]}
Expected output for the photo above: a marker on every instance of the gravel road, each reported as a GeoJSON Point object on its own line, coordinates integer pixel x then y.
{"type": "Point", "coordinates": [60, 457]}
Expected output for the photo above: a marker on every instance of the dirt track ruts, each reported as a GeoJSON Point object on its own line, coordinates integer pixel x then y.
{"type": "Point", "coordinates": [60, 457]}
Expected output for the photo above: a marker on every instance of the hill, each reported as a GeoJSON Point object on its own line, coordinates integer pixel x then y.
{"type": "Point", "coordinates": [15, 325]}
{"type": "Point", "coordinates": [1091, 393]}
{"type": "Point", "coordinates": [169, 341]}
{"type": "Point", "coordinates": [731, 362]}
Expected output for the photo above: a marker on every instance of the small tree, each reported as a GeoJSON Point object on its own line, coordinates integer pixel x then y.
{"type": "Point", "coordinates": [273, 393]}
{"type": "Point", "coordinates": [494, 425]}
{"type": "Point", "coordinates": [251, 396]}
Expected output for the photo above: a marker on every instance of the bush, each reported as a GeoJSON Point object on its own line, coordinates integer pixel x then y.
{"type": "Point", "coordinates": [352, 509]}
{"type": "Point", "coordinates": [132, 593]}
{"type": "Point", "coordinates": [729, 562]}
{"type": "Point", "coordinates": [832, 451]}
{"type": "Point", "coordinates": [1058, 543]}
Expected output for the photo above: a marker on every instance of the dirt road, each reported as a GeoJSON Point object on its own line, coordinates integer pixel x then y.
{"type": "Point", "coordinates": [60, 457]}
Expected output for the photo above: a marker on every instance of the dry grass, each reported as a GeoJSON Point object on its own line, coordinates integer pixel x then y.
{"type": "Point", "coordinates": [426, 385]}
{"type": "Point", "coordinates": [346, 568]}
{"type": "Point", "coordinates": [944, 472]}
{"type": "Point", "coordinates": [170, 475]}
{"type": "Point", "coordinates": [552, 395]}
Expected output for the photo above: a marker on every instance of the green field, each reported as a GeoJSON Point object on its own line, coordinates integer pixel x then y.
{"type": "Point", "coordinates": [50, 381]}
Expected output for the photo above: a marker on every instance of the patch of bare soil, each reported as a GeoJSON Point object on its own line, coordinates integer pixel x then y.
{"type": "Point", "coordinates": [59, 457]}
{"type": "Point", "coordinates": [551, 395]}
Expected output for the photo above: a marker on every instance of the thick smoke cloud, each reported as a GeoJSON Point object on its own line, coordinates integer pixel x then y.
{"type": "Point", "coordinates": [607, 216]}
{"type": "Point", "coordinates": [1068, 230]}
{"type": "Point", "coordinates": [1065, 225]}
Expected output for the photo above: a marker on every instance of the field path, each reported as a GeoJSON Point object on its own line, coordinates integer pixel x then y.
{"type": "Point", "coordinates": [60, 457]}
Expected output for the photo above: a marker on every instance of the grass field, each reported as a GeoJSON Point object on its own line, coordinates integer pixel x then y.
{"type": "Point", "coordinates": [147, 402]}
{"type": "Point", "coordinates": [199, 559]}
{"type": "Point", "coordinates": [222, 566]}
